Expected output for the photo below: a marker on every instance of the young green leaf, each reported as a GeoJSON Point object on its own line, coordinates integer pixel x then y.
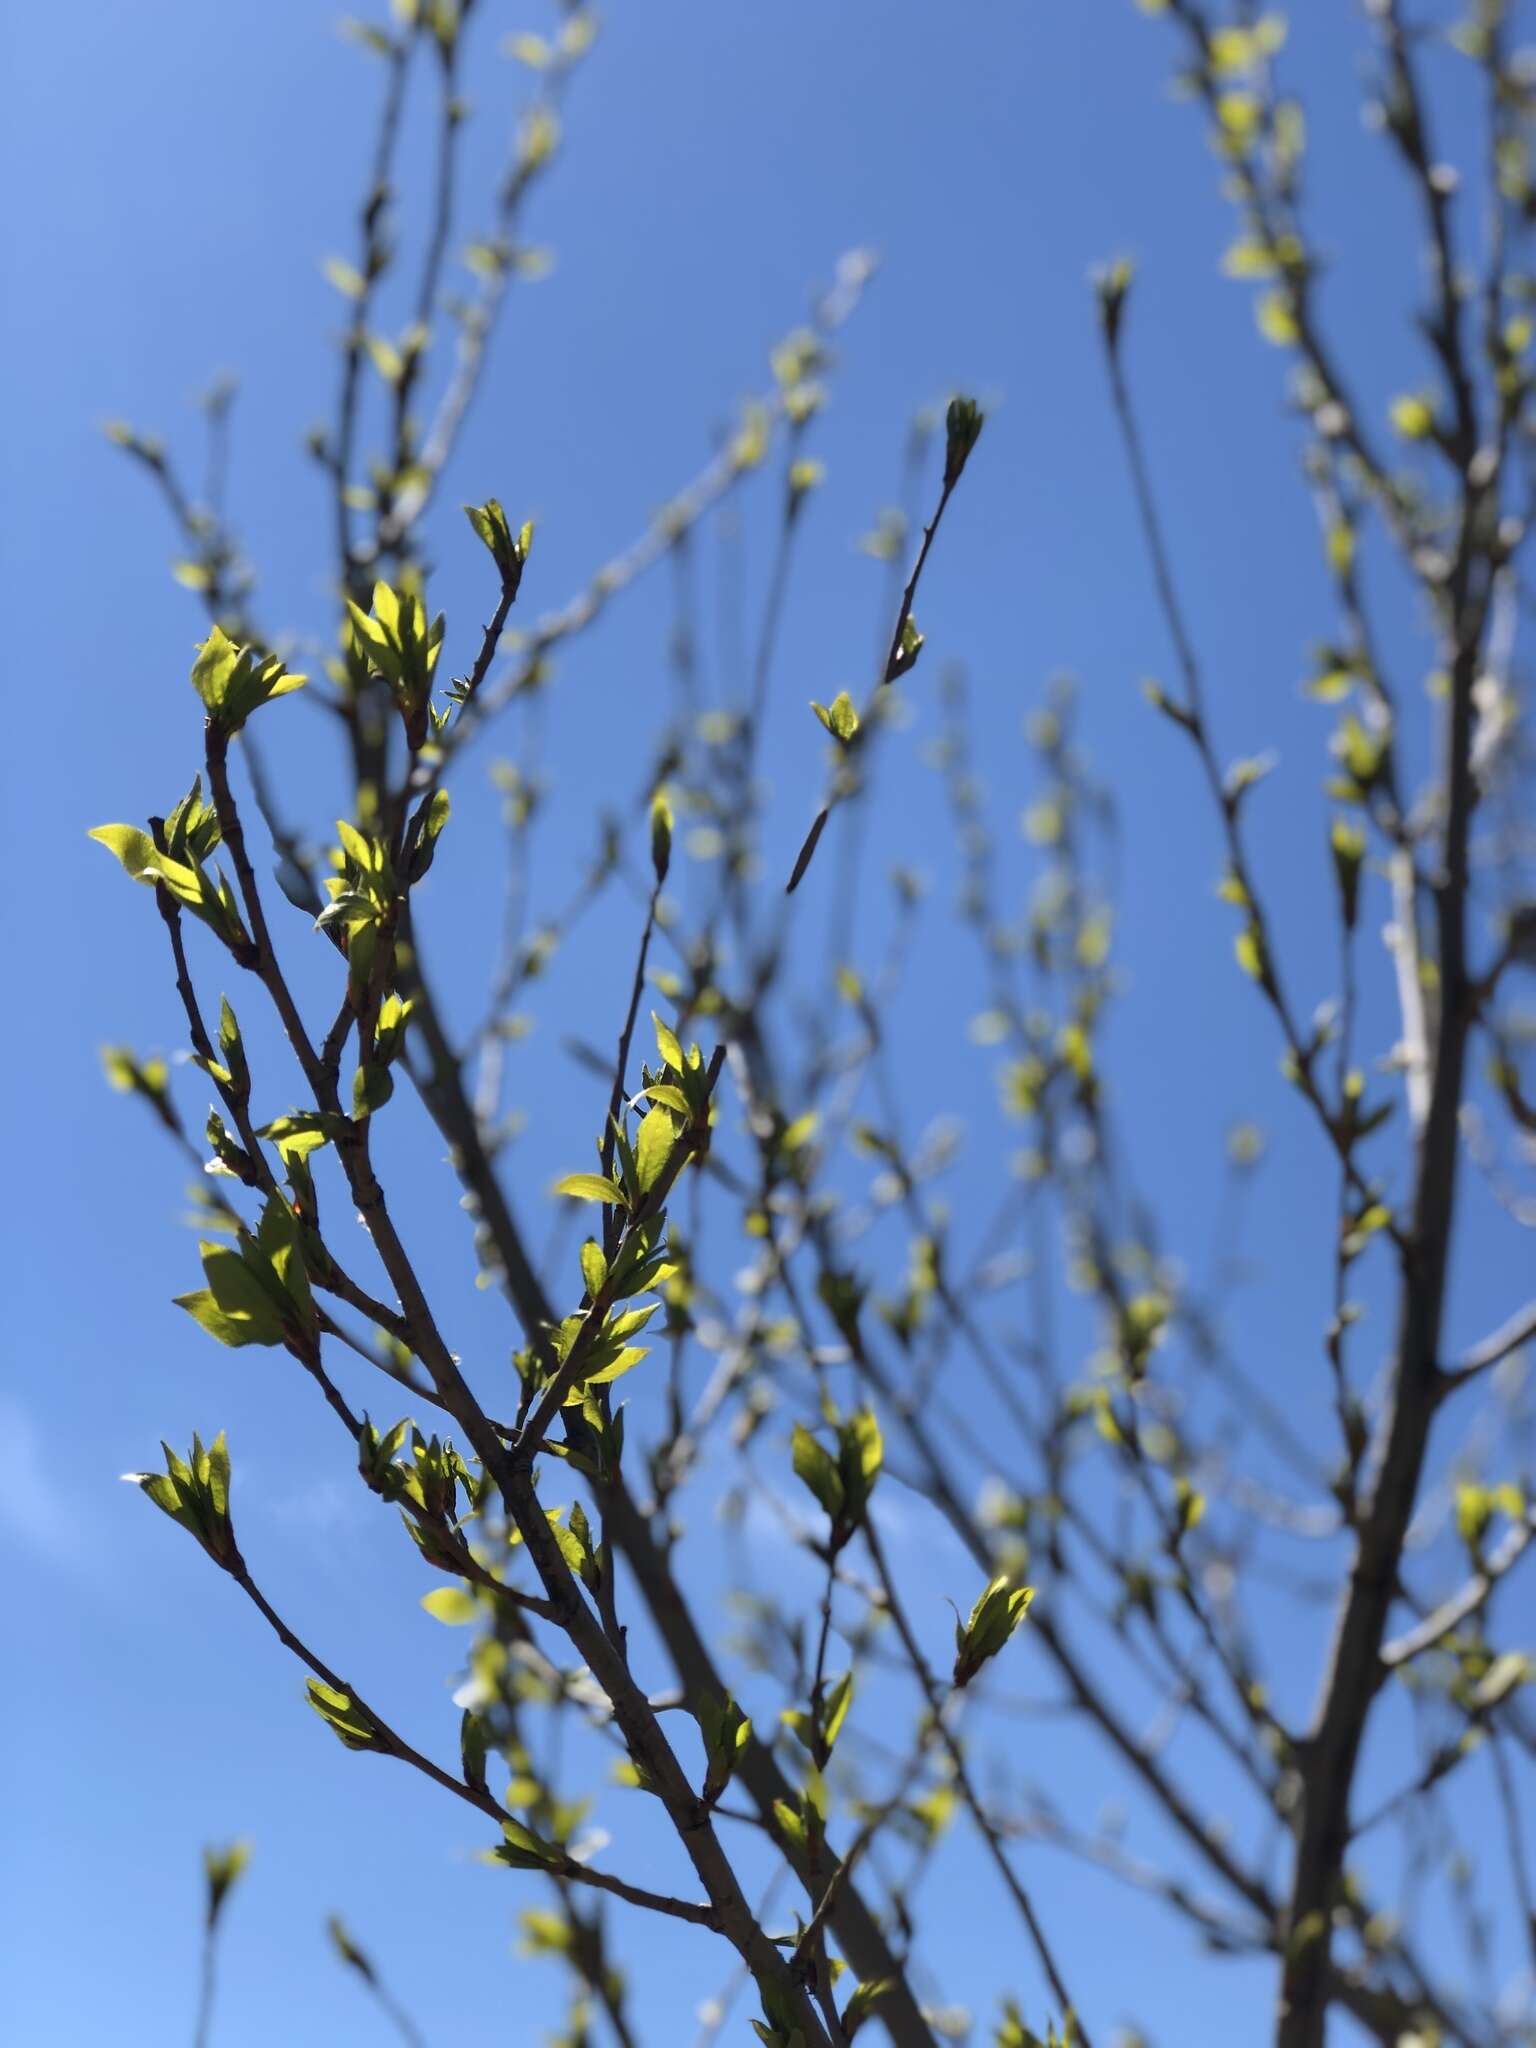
{"type": "Point", "coordinates": [815, 1469]}
{"type": "Point", "coordinates": [222, 1869]}
{"type": "Point", "coordinates": [594, 1267]}
{"type": "Point", "coordinates": [661, 836]}
{"type": "Point", "coordinates": [863, 2002]}
{"type": "Point", "coordinates": [592, 1187]}
{"type": "Point", "coordinates": [508, 551]}
{"type": "Point", "coordinates": [653, 1147]}
{"type": "Point", "coordinates": [523, 1849]}
{"type": "Point", "coordinates": [840, 717]}
{"type": "Point", "coordinates": [726, 1731]}
{"type": "Point", "coordinates": [963, 421]}
{"type": "Point", "coordinates": [455, 1606]}
{"type": "Point", "coordinates": [908, 647]}
{"type": "Point", "coordinates": [350, 1723]}
{"type": "Point", "coordinates": [235, 681]}
{"type": "Point", "coordinates": [195, 1492]}
{"type": "Point", "coordinates": [668, 1045]}
{"type": "Point", "coordinates": [993, 1619]}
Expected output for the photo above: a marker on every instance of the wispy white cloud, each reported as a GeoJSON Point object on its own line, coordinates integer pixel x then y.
{"type": "Point", "coordinates": [45, 1517]}
{"type": "Point", "coordinates": [322, 1507]}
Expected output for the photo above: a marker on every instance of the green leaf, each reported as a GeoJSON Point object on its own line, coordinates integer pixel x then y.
{"type": "Point", "coordinates": [1189, 1506]}
{"type": "Point", "coordinates": [963, 422]}
{"type": "Point", "coordinates": [231, 1330]}
{"type": "Point", "coordinates": [135, 849]}
{"type": "Point", "coordinates": [233, 1048]}
{"type": "Point", "coordinates": [222, 1869]}
{"type": "Point", "coordinates": [1413, 415]}
{"type": "Point", "coordinates": [592, 1187]}
{"type": "Point", "coordinates": [1242, 776]}
{"type": "Point", "coordinates": [668, 1045]}
{"type": "Point", "coordinates": [213, 1473]}
{"type": "Point", "coordinates": [195, 1493]}
{"type": "Point", "coordinates": [509, 553]}
{"type": "Point", "coordinates": [1112, 281]}
{"type": "Point", "coordinates": [612, 1369]}
{"type": "Point", "coordinates": [1503, 1676]}
{"type": "Point", "coordinates": [568, 1542]}
{"type": "Point", "coordinates": [133, 1076]}
{"type": "Point", "coordinates": [433, 819]}
{"type": "Point", "coordinates": [474, 1741]}
{"type": "Point", "coordinates": [653, 1147]}
{"type": "Point", "coordinates": [524, 1850]}
{"type": "Point", "coordinates": [386, 358]}
{"type": "Point", "coordinates": [365, 853]}
{"type": "Point", "coordinates": [238, 1288]}
{"type": "Point", "coordinates": [455, 1606]}
{"type": "Point", "coordinates": [278, 1236]}
{"type": "Point", "coordinates": [860, 1453]}
{"type": "Point", "coordinates": [671, 1098]}
{"type": "Point", "coordinates": [371, 1089]}
{"type": "Point", "coordinates": [661, 836]}
{"type": "Point", "coordinates": [399, 643]}
{"type": "Point", "coordinates": [632, 1322]}
{"type": "Point", "coordinates": [641, 1258]}
{"type": "Point", "coordinates": [840, 717]}
{"type": "Point", "coordinates": [594, 1267]}
{"type": "Point", "coordinates": [863, 2002]}
{"type": "Point", "coordinates": [835, 1708]}
{"type": "Point", "coordinates": [726, 1731]}
{"type": "Point", "coordinates": [531, 50]}
{"type": "Point", "coordinates": [349, 282]}
{"type": "Point", "coordinates": [908, 647]}
{"type": "Point", "coordinates": [1249, 948]}
{"type": "Point", "coordinates": [815, 1469]}
{"type": "Point", "coordinates": [1347, 844]}
{"type": "Point", "coordinates": [791, 1825]}
{"type": "Point", "coordinates": [301, 1132]}
{"type": "Point", "coordinates": [1160, 700]}
{"type": "Point", "coordinates": [190, 886]}
{"type": "Point", "coordinates": [348, 1721]}
{"type": "Point", "coordinates": [993, 1619]}
{"type": "Point", "coordinates": [235, 681]}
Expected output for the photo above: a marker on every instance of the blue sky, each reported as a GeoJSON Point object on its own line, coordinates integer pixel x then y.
{"type": "Point", "coordinates": [178, 174]}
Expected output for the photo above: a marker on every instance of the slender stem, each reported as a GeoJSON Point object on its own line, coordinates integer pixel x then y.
{"type": "Point", "coordinates": [1507, 1339]}
{"type": "Point", "coordinates": [621, 1062]}
{"type": "Point", "coordinates": [852, 749]}
{"type": "Point", "coordinates": [207, 1985]}
{"type": "Point", "coordinates": [909, 594]}
{"type": "Point", "coordinates": [1468, 1600]}
{"type": "Point", "coordinates": [858, 1932]}
{"type": "Point", "coordinates": [686, 1146]}
{"type": "Point", "coordinates": [988, 1832]}
{"type": "Point", "coordinates": [1267, 971]}
{"type": "Point", "coordinates": [395, 1745]}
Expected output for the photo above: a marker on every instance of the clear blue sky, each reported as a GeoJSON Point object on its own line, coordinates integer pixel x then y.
{"type": "Point", "coordinates": [176, 174]}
